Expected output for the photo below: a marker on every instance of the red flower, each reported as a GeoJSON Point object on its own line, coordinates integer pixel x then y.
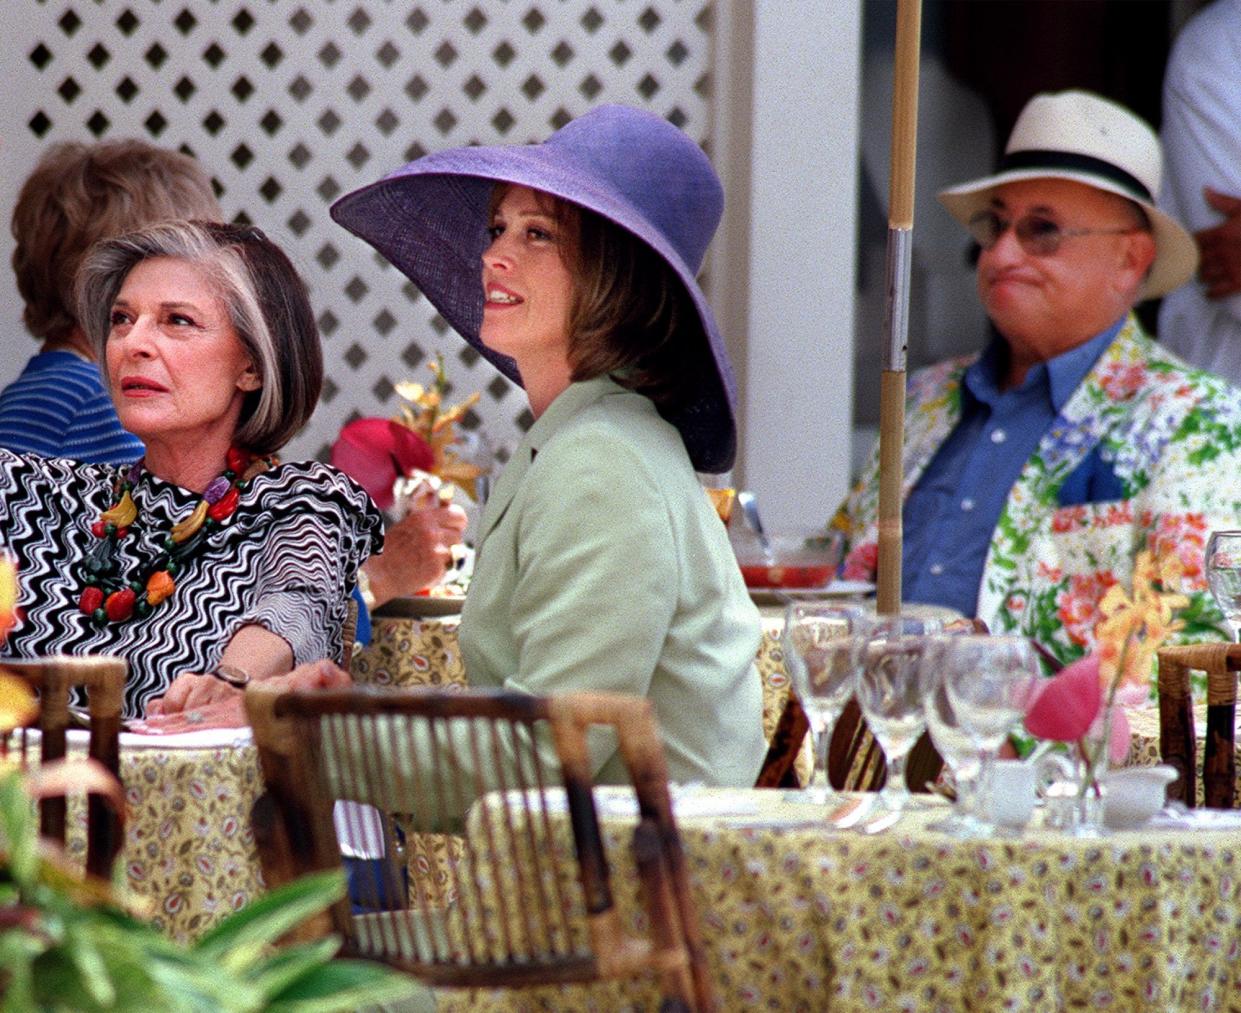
{"type": "Point", "coordinates": [1122, 380]}
{"type": "Point", "coordinates": [1068, 518]}
{"type": "Point", "coordinates": [1183, 536]}
{"type": "Point", "coordinates": [1078, 605]}
{"type": "Point", "coordinates": [374, 452]}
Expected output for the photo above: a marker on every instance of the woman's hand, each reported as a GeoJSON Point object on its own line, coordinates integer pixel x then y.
{"type": "Point", "coordinates": [252, 649]}
{"type": "Point", "coordinates": [417, 550]}
{"type": "Point", "coordinates": [226, 708]}
{"type": "Point", "coordinates": [189, 691]}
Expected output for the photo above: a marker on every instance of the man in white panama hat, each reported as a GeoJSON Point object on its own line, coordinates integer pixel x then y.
{"type": "Point", "coordinates": [1036, 471]}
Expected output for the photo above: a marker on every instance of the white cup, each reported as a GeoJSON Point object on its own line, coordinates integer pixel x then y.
{"type": "Point", "coordinates": [1008, 797]}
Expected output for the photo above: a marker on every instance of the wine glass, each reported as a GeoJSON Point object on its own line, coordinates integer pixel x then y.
{"type": "Point", "coordinates": [1223, 568]}
{"type": "Point", "coordinates": [953, 743]}
{"type": "Point", "coordinates": [889, 692]}
{"type": "Point", "coordinates": [990, 681]}
{"type": "Point", "coordinates": [822, 651]}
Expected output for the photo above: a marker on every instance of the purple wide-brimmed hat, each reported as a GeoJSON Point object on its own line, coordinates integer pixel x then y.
{"type": "Point", "coordinates": [633, 168]}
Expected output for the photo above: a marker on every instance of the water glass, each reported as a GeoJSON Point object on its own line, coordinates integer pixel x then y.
{"type": "Point", "coordinates": [953, 743]}
{"type": "Point", "coordinates": [990, 681]}
{"type": "Point", "coordinates": [822, 651]}
{"type": "Point", "coordinates": [1223, 570]}
{"type": "Point", "coordinates": [890, 694]}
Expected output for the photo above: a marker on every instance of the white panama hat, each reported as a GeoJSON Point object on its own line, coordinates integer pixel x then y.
{"type": "Point", "coordinates": [1084, 137]}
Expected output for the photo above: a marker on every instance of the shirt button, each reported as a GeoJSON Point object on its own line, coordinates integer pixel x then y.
{"type": "Point", "coordinates": [999, 436]}
{"type": "Point", "coordinates": [937, 569]}
{"type": "Point", "coordinates": [967, 504]}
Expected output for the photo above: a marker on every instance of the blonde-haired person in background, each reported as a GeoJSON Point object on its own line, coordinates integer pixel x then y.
{"type": "Point", "coordinates": [77, 195]}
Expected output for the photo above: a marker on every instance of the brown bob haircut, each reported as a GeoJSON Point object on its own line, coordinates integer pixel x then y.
{"type": "Point", "coordinates": [630, 316]}
{"type": "Point", "coordinates": [80, 193]}
{"type": "Point", "coordinates": [268, 306]}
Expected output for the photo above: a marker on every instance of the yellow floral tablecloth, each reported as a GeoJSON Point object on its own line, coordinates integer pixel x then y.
{"type": "Point", "coordinates": [798, 917]}
{"type": "Point", "coordinates": [189, 848]}
{"type": "Point", "coordinates": [411, 652]}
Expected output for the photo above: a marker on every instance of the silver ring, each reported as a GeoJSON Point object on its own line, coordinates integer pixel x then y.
{"type": "Point", "coordinates": [195, 717]}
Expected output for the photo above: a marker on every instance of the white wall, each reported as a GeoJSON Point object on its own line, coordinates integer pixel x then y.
{"type": "Point", "coordinates": [799, 355]}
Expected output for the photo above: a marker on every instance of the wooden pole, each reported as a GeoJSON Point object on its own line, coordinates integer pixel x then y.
{"type": "Point", "coordinates": [900, 243]}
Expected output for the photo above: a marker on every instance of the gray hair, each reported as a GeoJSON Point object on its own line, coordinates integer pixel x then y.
{"type": "Point", "coordinates": [267, 303]}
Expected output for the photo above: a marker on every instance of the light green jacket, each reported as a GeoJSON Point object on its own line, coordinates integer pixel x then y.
{"type": "Point", "coordinates": [601, 566]}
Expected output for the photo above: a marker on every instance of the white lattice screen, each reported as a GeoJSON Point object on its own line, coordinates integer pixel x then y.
{"type": "Point", "coordinates": [291, 104]}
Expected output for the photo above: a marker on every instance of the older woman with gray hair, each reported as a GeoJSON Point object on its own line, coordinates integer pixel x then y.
{"type": "Point", "coordinates": [208, 557]}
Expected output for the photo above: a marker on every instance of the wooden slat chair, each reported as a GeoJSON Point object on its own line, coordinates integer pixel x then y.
{"type": "Point", "coordinates": [530, 900]}
{"type": "Point", "coordinates": [854, 760]}
{"type": "Point", "coordinates": [54, 679]}
{"type": "Point", "coordinates": [1177, 742]}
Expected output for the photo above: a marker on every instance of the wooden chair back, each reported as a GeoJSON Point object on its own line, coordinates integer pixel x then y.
{"type": "Point", "coordinates": [528, 899]}
{"type": "Point", "coordinates": [1177, 739]}
{"type": "Point", "coordinates": [54, 679]}
{"type": "Point", "coordinates": [854, 761]}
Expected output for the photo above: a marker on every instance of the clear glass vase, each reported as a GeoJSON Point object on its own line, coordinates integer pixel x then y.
{"type": "Point", "coordinates": [1075, 805]}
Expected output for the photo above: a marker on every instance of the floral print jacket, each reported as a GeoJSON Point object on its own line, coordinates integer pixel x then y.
{"type": "Point", "coordinates": [1173, 437]}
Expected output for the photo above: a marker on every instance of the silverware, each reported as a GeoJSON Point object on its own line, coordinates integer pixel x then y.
{"type": "Point", "coordinates": [749, 508]}
{"type": "Point", "coordinates": [881, 822]}
{"type": "Point", "coordinates": [851, 811]}
{"type": "Point", "coordinates": [80, 718]}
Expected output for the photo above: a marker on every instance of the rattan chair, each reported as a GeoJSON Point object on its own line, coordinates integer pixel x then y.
{"type": "Point", "coordinates": [523, 896]}
{"type": "Point", "coordinates": [54, 679]}
{"type": "Point", "coordinates": [1177, 741]}
{"type": "Point", "coordinates": [854, 760]}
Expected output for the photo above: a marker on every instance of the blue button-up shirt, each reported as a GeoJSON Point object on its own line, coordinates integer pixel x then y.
{"type": "Point", "coordinates": [951, 513]}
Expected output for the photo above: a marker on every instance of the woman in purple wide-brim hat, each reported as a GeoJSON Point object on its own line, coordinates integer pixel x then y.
{"type": "Point", "coordinates": [570, 265]}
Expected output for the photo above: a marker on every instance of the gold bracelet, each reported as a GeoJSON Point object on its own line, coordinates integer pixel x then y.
{"type": "Point", "coordinates": [364, 589]}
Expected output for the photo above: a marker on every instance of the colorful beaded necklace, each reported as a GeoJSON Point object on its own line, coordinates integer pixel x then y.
{"type": "Point", "coordinates": [106, 597]}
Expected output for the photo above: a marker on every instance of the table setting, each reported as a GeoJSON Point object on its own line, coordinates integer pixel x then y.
{"type": "Point", "coordinates": [797, 915]}
{"type": "Point", "coordinates": [1057, 878]}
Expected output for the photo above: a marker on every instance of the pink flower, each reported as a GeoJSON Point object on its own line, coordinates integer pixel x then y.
{"type": "Point", "coordinates": [374, 452]}
{"type": "Point", "coordinates": [1118, 745]}
{"type": "Point", "coordinates": [1068, 704]}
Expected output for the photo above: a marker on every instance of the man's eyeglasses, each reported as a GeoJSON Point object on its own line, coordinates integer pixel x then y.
{"type": "Point", "coordinates": [1039, 236]}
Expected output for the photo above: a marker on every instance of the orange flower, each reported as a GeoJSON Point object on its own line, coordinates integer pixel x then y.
{"type": "Point", "coordinates": [1132, 629]}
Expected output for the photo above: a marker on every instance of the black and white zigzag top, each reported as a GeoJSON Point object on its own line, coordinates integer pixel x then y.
{"type": "Point", "coordinates": [286, 560]}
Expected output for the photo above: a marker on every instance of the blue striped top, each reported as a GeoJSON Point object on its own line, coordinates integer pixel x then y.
{"type": "Point", "coordinates": [58, 407]}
